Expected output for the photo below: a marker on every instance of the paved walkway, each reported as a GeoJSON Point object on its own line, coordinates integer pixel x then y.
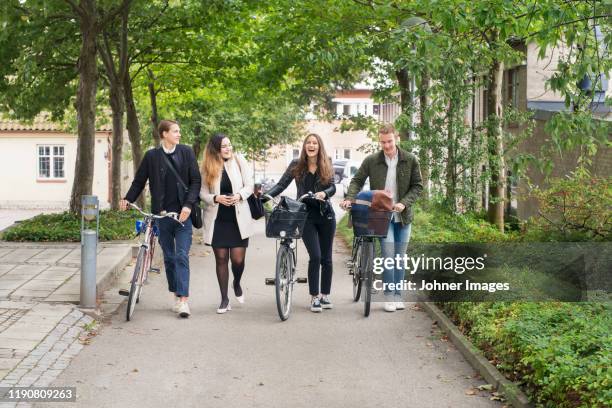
{"type": "Point", "coordinates": [41, 329]}
{"type": "Point", "coordinates": [249, 358]}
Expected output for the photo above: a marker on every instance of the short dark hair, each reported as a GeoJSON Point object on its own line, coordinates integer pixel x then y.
{"type": "Point", "coordinates": [165, 126]}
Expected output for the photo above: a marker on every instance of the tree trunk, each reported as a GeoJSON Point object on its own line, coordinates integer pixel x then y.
{"type": "Point", "coordinates": [451, 160]}
{"type": "Point", "coordinates": [403, 80]}
{"type": "Point", "coordinates": [197, 144]}
{"type": "Point", "coordinates": [86, 106]}
{"type": "Point", "coordinates": [133, 127]}
{"type": "Point", "coordinates": [496, 147]}
{"type": "Point", "coordinates": [424, 154]}
{"type": "Point", "coordinates": [118, 109]}
{"type": "Point", "coordinates": [116, 102]}
{"type": "Point", "coordinates": [154, 116]}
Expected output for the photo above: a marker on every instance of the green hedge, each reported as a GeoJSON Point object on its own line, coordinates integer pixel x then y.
{"type": "Point", "coordinates": [561, 353]}
{"type": "Point", "coordinates": [66, 227]}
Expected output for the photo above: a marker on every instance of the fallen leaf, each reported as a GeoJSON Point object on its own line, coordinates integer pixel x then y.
{"type": "Point", "coordinates": [485, 387]}
{"type": "Point", "coordinates": [471, 391]}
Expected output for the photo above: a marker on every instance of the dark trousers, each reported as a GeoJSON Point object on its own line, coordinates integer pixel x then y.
{"type": "Point", "coordinates": [175, 241]}
{"type": "Point", "coordinates": [318, 238]}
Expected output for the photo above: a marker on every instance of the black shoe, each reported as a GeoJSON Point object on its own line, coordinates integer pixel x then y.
{"type": "Point", "coordinates": [326, 303]}
{"type": "Point", "coordinates": [237, 289]}
{"type": "Point", "coordinates": [315, 306]}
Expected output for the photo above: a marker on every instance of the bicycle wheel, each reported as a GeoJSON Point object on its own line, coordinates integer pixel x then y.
{"type": "Point", "coordinates": [136, 285]}
{"type": "Point", "coordinates": [148, 264]}
{"type": "Point", "coordinates": [356, 268]}
{"type": "Point", "coordinates": [284, 282]}
{"type": "Point", "coordinates": [367, 259]}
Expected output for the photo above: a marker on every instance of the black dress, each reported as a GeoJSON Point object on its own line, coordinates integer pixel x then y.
{"type": "Point", "coordinates": [226, 233]}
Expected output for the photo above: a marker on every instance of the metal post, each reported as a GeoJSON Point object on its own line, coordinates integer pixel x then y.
{"type": "Point", "coordinates": [89, 243]}
{"type": "Point", "coordinates": [89, 239]}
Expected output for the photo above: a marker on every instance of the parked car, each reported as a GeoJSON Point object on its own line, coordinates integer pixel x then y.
{"type": "Point", "coordinates": [350, 168]}
{"type": "Point", "coordinates": [339, 166]}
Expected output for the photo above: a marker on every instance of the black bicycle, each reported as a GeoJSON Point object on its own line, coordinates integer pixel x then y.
{"type": "Point", "coordinates": [286, 225]}
{"type": "Point", "coordinates": [367, 226]}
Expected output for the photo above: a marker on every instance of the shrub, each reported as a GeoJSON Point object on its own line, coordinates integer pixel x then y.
{"type": "Point", "coordinates": [67, 227]}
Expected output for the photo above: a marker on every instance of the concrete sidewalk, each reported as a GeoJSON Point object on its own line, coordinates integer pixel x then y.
{"type": "Point", "coordinates": [41, 329]}
{"type": "Point", "coordinates": [51, 272]}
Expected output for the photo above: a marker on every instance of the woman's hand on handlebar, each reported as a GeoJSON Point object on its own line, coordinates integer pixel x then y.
{"type": "Point", "coordinates": [320, 196]}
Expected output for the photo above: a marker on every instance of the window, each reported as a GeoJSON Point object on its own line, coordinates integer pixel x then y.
{"type": "Point", "coordinates": [51, 162]}
{"type": "Point", "coordinates": [512, 95]}
{"type": "Point", "coordinates": [347, 153]}
{"type": "Point", "coordinates": [340, 154]}
{"type": "Point", "coordinates": [376, 109]}
{"type": "Point", "coordinates": [295, 154]}
{"type": "Point", "coordinates": [346, 109]}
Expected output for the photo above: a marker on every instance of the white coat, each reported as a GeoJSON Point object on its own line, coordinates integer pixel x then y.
{"type": "Point", "coordinates": [241, 177]}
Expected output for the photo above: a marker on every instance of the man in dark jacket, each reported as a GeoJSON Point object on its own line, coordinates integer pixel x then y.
{"type": "Point", "coordinates": [169, 195]}
{"type": "Point", "coordinates": [396, 171]}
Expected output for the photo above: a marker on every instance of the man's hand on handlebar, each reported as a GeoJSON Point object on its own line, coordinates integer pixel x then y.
{"type": "Point", "coordinates": [124, 204]}
{"type": "Point", "coordinates": [185, 212]}
{"type": "Point", "coordinates": [346, 204]}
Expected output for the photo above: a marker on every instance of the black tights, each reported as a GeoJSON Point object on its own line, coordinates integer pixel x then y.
{"type": "Point", "coordinates": [222, 257]}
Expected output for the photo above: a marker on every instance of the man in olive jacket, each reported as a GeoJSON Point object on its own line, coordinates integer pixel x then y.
{"type": "Point", "coordinates": [396, 171]}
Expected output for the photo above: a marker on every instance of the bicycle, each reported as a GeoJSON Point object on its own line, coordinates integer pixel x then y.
{"type": "Point", "coordinates": [285, 227]}
{"type": "Point", "coordinates": [144, 259]}
{"type": "Point", "coordinates": [367, 226]}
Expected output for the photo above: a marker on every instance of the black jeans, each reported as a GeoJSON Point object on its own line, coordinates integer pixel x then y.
{"type": "Point", "coordinates": [318, 238]}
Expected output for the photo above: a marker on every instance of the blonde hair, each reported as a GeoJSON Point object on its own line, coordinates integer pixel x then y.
{"type": "Point", "coordinates": [212, 164]}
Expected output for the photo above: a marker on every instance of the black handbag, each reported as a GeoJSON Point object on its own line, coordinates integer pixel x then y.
{"type": "Point", "coordinates": [255, 203]}
{"type": "Point", "coordinates": [256, 207]}
{"type": "Point", "coordinates": [196, 210]}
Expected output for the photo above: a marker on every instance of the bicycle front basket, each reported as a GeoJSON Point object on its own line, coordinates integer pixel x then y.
{"type": "Point", "coordinates": [371, 223]}
{"type": "Point", "coordinates": [282, 223]}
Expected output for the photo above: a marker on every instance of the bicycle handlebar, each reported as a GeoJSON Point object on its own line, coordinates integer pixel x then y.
{"type": "Point", "coordinates": [309, 194]}
{"type": "Point", "coordinates": [172, 215]}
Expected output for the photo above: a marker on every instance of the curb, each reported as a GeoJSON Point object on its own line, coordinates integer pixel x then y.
{"type": "Point", "coordinates": [110, 276]}
{"type": "Point", "coordinates": [510, 390]}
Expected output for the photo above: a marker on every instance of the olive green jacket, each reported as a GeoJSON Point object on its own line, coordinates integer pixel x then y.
{"type": "Point", "coordinates": [409, 182]}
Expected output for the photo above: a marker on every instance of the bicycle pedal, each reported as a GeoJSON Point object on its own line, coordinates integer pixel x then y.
{"type": "Point", "coordinates": [302, 280]}
{"type": "Point", "coordinates": [270, 281]}
{"type": "Point", "coordinates": [124, 292]}
{"type": "Point", "coordinates": [155, 270]}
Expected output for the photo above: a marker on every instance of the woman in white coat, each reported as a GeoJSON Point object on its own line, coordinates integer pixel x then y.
{"type": "Point", "coordinates": [226, 184]}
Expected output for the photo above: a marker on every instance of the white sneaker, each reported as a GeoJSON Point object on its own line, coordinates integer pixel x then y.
{"type": "Point", "coordinates": [177, 304]}
{"type": "Point", "coordinates": [183, 309]}
{"type": "Point", "coordinates": [390, 307]}
{"type": "Point", "coordinates": [400, 306]}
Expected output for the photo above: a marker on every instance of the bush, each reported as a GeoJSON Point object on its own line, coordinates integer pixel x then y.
{"type": "Point", "coordinates": [577, 208]}
{"type": "Point", "coordinates": [560, 353]}
{"type": "Point", "coordinates": [66, 227]}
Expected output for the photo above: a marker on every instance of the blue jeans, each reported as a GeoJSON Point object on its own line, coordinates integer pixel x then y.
{"type": "Point", "coordinates": [175, 241]}
{"type": "Point", "coordinates": [395, 243]}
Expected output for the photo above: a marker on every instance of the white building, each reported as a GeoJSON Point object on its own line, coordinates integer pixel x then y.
{"type": "Point", "coordinates": [39, 162]}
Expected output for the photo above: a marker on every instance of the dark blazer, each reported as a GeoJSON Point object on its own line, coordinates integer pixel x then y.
{"type": "Point", "coordinates": [154, 168]}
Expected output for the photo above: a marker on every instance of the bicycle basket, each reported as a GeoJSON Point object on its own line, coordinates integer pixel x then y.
{"type": "Point", "coordinates": [371, 223]}
{"type": "Point", "coordinates": [286, 220]}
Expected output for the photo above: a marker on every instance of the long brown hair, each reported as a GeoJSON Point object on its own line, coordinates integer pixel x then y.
{"type": "Point", "coordinates": [212, 165]}
{"type": "Point", "coordinates": [324, 166]}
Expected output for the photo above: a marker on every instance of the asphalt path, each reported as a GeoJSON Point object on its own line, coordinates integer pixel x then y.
{"type": "Point", "coordinates": [249, 358]}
